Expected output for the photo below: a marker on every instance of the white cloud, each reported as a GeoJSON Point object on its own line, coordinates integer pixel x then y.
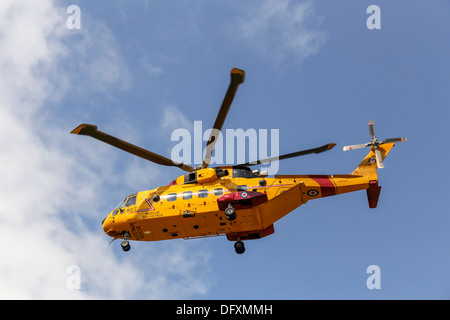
{"type": "Point", "coordinates": [283, 30]}
{"type": "Point", "coordinates": [51, 185]}
{"type": "Point", "coordinates": [96, 63]}
{"type": "Point", "coordinates": [175, 119]}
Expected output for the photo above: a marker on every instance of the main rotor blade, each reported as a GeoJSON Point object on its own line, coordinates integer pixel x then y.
{"type": "Point", "coordinates": [91, 130]}
{"type": "Point", "coordinates": [371, 129]}
{"type": "Point", "coordinates": [292, 155]}
{"type": "Point", "coordinates": [237, 78]}
{"type": "Point", "coordinates": [355, 146]}
{"type": "Point", "coordinates": [393, 140]}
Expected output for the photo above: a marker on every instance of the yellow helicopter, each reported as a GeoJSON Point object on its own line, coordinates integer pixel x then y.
{"type": "Point", "coordinates": [234, 201]}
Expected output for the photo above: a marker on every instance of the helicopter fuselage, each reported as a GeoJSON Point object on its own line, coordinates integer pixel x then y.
{"type": "Point", "coordinates": [192, 210]}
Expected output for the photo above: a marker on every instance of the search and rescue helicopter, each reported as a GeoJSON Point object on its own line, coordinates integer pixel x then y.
{"type": "Point", "coordinates": [235, 201]}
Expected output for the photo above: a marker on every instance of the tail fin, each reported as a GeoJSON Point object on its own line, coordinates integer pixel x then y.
{"type": "Point", "coordinates": [368, 168]}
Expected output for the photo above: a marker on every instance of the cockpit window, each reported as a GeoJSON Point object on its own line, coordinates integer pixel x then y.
{"type": "Point", "coordinates": [131, 201]}
{"type": "Point", "coordinates": [128, 201]}
{"type": "Point", "coordinates": [120, 205]}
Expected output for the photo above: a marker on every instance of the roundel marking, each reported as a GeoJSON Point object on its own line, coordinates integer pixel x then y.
{"type": "Point", "coordinates": [312, 193]}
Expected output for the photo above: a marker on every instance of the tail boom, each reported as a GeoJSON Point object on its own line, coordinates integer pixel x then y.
{"type": "Point", "coordinates": [364, 177]}
{"type": "Point", "coordinates": [299, 189]}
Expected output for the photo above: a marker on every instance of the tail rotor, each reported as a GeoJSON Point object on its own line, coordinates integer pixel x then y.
{"type": "Point", "coordinates": [375, 143]}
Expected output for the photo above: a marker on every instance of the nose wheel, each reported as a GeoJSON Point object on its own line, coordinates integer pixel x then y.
{"type": "Point", "coordinates": [239, 247]}
{"type": "Point", "coordinates": [125, 244]}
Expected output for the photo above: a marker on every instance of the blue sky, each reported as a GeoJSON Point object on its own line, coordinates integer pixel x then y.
{"type": "Point", "coordinates": [140, 69]}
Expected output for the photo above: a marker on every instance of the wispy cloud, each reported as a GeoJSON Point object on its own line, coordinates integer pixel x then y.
{"type": "Point", "coordinates": [51, 190]}
{"type": "Point", "coordinates": [283, 30]}
{"type": "Point", "coordinates": [173, 119]}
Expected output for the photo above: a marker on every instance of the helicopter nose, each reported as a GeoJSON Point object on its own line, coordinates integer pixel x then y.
{"type": "Point", "coordinates": [107, 225]}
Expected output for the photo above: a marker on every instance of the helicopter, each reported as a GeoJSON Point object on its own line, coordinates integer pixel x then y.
{"type": "Point", "coordinates": [233, 201]}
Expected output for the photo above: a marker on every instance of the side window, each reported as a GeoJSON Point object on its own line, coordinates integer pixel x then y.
{"type": "Point", "coordinates": [218, 191]}
{"type": "Point", "coordinates": [171, 197]}
{"type": "Point", "coordinates": [242, 188]}
{"type": "Point", "coordinates": [202, 193]}
{"type": "Point", "coordinates": [187, 195]}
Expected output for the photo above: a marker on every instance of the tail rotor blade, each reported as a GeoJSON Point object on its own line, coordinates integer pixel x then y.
{"type": "Point", "coordinates": [355, 146]}
{"type": "Point", "coordinates": [379, 158]}
{"type": "Point", "coordinates": [371, 129]}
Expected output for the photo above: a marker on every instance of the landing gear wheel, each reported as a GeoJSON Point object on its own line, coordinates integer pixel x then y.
{"type": "Point", "coordinates": [231, 217]}
{"type": "Point", "coordinates": [125, 245]}
{"type": "Point", "coordinates": [230, 213]}
{"type": "Point", "coordinates": [239, 247]}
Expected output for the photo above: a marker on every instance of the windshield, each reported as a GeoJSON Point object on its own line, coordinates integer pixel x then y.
{"type": "Point", "coordinates": [128, 201]}
{"type": "Point", "coordinates": [131, 201]}
{"type": "Point", "coordinates": [120, 205]}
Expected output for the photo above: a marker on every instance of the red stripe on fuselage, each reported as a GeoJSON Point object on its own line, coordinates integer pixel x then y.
{"type": "Point", "coordinates": [327, 187]}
